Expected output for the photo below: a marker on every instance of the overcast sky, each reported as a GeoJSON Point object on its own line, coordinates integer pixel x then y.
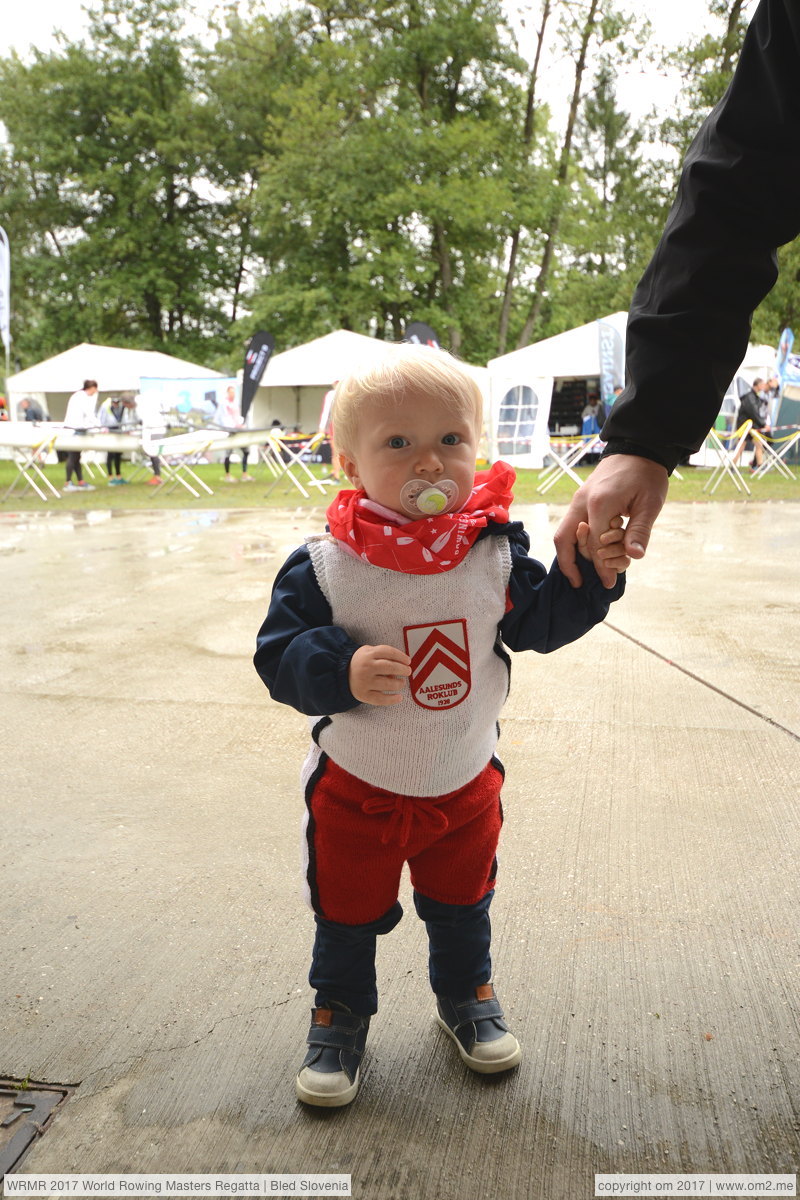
{"type": "Point", "coordinates": [33, 24]}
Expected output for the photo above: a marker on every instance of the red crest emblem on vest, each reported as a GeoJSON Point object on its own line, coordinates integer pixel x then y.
{"type": "Point", "coordinates": [440, 667]}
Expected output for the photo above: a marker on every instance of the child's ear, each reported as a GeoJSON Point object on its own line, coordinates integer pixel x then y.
{"type": "Point", "coordinates": [350, 469]}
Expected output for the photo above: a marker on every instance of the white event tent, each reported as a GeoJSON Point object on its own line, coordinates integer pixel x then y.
{"type": "Point", "coordinates": [53, 381]}
{"type": "Point", "coordinates": [295, 382]}
{"type": "Point", "coordinates": [523, 384]}
{"type": "Point", "coordinates": [527, 382]}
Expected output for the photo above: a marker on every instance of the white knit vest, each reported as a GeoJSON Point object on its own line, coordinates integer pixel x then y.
{"type": "Point", "coordinates": [444, 731]}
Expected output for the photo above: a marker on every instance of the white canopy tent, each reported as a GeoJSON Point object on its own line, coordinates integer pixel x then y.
{"type": "Point", "coordinates": [295, 381]}
{"type": "Point", "coordinates": [759, 361]}
{"type": "Point", "coordinates": [53, 381]}
{"type": "Point", "coordinates": [524, 382]}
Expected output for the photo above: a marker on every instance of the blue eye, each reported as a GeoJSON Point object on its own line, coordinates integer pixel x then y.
{"type": "Point", "coordinates": [451, 439]}
{"type": "Point", "coordinates": [397, 443]}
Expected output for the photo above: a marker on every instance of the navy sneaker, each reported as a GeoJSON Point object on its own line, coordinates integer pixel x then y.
{"type": "Point", "coordinates": [329, 1076]}
{"type": "Point", "coordinates": [476, 1025]}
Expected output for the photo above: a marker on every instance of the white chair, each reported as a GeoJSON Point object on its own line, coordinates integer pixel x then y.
{"type": "Point", "coordinates": [728, 461]}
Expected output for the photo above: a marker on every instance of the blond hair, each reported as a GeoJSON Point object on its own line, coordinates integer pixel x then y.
{"type": "Point", "coordinates": [404, 368]}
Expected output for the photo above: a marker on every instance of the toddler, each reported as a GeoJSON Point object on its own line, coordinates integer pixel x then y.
{"type": "Point", "coordinates": [389, 632]}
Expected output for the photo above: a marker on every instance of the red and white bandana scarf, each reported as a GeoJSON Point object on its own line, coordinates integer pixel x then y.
{"type": "Point", "coordinates": [420, 547]}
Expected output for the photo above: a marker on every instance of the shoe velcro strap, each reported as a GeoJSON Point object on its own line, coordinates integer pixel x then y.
{"type": "Point", "coordinates": [477, 1010]}
{"type": "Point", "coordinates": [335, 1037]}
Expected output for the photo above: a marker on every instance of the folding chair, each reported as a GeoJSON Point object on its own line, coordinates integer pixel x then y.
{"type": "Point", "coordinates": [28, 445]}
{"type": "Point", "coordinates": [282, 458]}
{"type": "Point", "coordinates": [727, 461]}
{"type": "Point", "coordinates": [774, 460]}
{"type": "Point", "coordinates": [565, 462]}
{"type": "Point", "coordinates": [185, 450]}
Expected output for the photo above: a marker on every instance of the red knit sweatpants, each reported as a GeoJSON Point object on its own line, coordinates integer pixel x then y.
{"type": "Point", "coordinates": [358, 837]}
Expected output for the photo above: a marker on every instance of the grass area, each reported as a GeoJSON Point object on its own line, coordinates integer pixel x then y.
{"type": "Point", "coordinates": [260, 493]}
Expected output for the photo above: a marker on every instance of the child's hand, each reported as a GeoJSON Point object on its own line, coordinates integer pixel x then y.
{"type": "Point", "coordinates": [611, 551]}
{"type": "Point", "coordinates": [377, 674]}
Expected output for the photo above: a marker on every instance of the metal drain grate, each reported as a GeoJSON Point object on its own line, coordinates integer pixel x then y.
{"type": "Point", "coordinates": [25, 1110]}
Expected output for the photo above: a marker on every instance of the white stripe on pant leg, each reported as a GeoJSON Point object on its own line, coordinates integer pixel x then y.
{"type": "Point", "coordinates": [309, 767]}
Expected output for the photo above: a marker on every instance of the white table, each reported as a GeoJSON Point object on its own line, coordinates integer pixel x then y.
{"type": "Point", "coordinates": [180, 453]}
{"type": "Point", "coordinates": [31, 441]}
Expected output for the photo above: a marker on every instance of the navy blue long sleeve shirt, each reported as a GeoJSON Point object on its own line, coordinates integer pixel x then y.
{"type": "Point", "coordinates": [303, 658]}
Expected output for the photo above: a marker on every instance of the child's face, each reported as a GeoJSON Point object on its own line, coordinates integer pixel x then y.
{"type": "Point", "coordinates": [416, 438]}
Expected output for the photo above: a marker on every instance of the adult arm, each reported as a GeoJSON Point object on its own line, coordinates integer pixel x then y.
{"type": "Point", "coordinates": [690, 316]}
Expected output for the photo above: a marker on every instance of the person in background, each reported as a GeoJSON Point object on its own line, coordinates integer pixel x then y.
{"type": "Point", "coordinates": [31, 410]}
{"type": "Point", "coordinates": [150, 408]}
{"type": "Point", "coordinates": [591, 418]}
{"type": "Point", "coordinates": [79, 417]}
{"type": "Point", "coordinates": [753, 407]}
{"type": "Point", "coordinates": [690, 316]}
{"type": "Point", "coordinates": [115, 414]}
{"type": "Point", "coordinates": [230, 418]}
{"type": "Point", "coordinates": [325, 426]}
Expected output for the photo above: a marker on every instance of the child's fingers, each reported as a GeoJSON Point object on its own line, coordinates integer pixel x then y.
{"type": "Point", "coordinates": [621, 563]}
{"type": "Point", "coordinates": [391, 667]}
{"type": "Point", "coordinates": [615, 550]}
{"type": "Point", "coordinates": [611, 536]}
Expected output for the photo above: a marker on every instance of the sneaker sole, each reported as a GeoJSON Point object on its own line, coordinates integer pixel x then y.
{"type": "Point", "coordinates": [480, 1065]}
{"type": "Point", "coordinates": [328, 1099]}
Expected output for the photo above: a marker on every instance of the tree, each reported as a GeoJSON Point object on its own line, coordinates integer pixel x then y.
{"type": "Point", "coordinates": [527, 143]}
{"type": "Point", "coordinates": [108, 155]}
{"type": "Point", "coordinates": [583, 25]}
{"type": "Point", "coordinates": [706, 66]}
{"type": "Point", "coordinates": [610, 228]}
{"type": "Point", "coordinates": [389, 198]}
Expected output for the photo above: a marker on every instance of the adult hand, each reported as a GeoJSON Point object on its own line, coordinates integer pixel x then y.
{"type": "Point", "coordinates": [621, 485]}
{"type": "Point", "coordinates": [377, 674]}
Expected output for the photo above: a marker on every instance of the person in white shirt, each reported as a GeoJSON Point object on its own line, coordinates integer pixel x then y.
{"type": "Point", "coordinates": [79, 417]}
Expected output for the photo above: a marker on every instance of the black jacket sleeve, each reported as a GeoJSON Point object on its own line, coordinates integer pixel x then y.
{"type": "Point", "coordinates": [546, 610]}
{"type": "Point", "coordinates": [738, 200]}
{"type": "Point", "coordinates": [301, 656]}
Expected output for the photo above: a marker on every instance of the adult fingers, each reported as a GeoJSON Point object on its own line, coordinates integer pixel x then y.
{"type": "Point", "coordinates": [643, 511]}
{"type": "Point", "coordinates": [566, 537]}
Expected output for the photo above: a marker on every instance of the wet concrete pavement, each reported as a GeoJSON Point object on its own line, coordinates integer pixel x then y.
{"type": "Point", "coordinates": [154, 944]}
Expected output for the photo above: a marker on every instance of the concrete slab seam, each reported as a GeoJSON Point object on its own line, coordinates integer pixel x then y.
{"type": "Point", "coordinates": [705, 683]}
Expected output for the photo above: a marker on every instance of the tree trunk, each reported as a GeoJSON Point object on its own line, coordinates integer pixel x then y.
{"type": "Point", "coordinates": [244, 242]}
{"type": "Point", "coordinates": [730, 43]}
{"type": "Point", "coordinates": [153, 310]}
{"type": "Point", "coordinates": [527, 138]}
{"type": "Point", "coordinates": [561, 183]}
{"type": "Point", "coordinates": [442, 252]}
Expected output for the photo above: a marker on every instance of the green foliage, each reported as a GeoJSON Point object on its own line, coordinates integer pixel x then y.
{"type": "Point", "coordinates": [706, 66]}
{"type": "Point", "coordinates": [113, 241]}
{"type": "Point", "coordinates": [315, 167]}
{"type": "Point", "coordinates": [388, 200]}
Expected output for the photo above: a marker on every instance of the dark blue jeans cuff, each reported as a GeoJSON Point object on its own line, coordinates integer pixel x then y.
{"type": "Point", "coordinates": [343, 962]}
{"type": "Point", "coordinates": [459, 943]}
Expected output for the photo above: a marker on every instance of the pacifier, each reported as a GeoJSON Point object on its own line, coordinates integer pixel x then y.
{"type": "Point", "coordinates": [419, 498]}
